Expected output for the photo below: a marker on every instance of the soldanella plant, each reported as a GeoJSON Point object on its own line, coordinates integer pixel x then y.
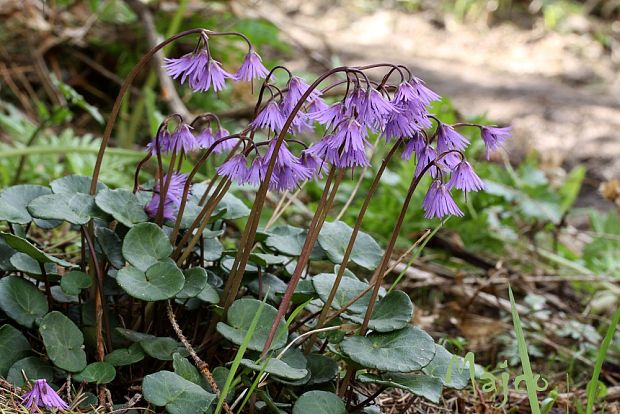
{"type": "Point", "coordinates": [147, 294]}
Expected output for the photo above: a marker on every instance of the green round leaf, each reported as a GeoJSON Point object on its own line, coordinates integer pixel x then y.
{"type": "Point", "coordinates": [73, 282]}
{"type": "Point", "coordinates": [178, 395]}
{"type": "Point", "coordinates": [240, 315]}
{"type": "Point", "coordinates": [34, 369]}
{"type": "Point", "coordinates": [444, 360]}
{"type": "Point", "coordinates": [13, 202]}
{"type": "Point", "coordinates": [209, 295]}
{"type": "Point", "coordinates": [13, 346]}
{"type": "Point", "coordinates": [123, 205]}
{"type": "Point", "coordinates": [348, 289]}
{"type": "Point", "coordinates": [74, 184]}
{"type": "Point", "coordinates": [290, 240]}
{"type": "Point", "coordinates": [212, 249]}
{"type": "Point", "coordinates": [334, 238]}
{"type": "Point", "coordinates": [322, 368]}
{"type": "Point", "coordinates": [22, 301]}
{"type": "Point", "coordinates": [232, 206]}
{"type": "Point", "coordinates": [161, 281]}
{"type": "Point", "coordinates": [22, 245]}
{"type": "Point", "coordinates": [63, 342]}
{"type": "Point", "coordinates": [125, 356]}
{"type": "Point", "coordinates": [146, 244]}
{"type": "Point", "coordinates": [195, 282]}
{"type": "Point", "coordinates": [187, 370]}
{"type": "Point", "coordinates": [392, 312]}
{"type": "Point", "coordinates": [24, 263]}
{"type": "Point", "coordinates": [319, 402]}
{"type": "Point", "coordinates": [110, 244]}
{"type": "Point", "coordinates": [422, 385]}
{"type": "Point", "coordinates": [162, 348]}
{"type": "Point", "coordinates": [76, 208]}
{"type": "Point", "coordinates": [97, 372]}
{"type": "Point", "coordinates": [409, 349]}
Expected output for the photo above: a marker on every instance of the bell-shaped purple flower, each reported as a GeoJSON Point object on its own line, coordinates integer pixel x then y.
{"type": "Point", "coordinates": [251, 68]}
{"type": "Point", "coordinates": [296, 88]}
{"type": "Point", "coordinates": [172, 199]}
{"type": "Point", "coordinates": [413, 145]}
{"type": "Point", "coordinates": [44, 396]}
{"type": "Point", "coordinates": [314, 164]}
{"type": "Point", "coordinates": [399, 125]}
{"type": "Point", "coordinates": [164, 141]}
{"type": "Point", "coordinates": [494, 137]}
{"type": "Point", "coordinates": [329, 116]}
{"type": "Point", "coordinates": [235, 169]}
{"type": "Point", "coordinates": [465, 178]}
{"type": "Point", "coordinates": [449, 139]}
{"type": "Point", "coordinates": [225, 145]}
{"type": "Point", "coordinates": [347, 148]}
{"type": "Point", "coordinates": [377, 108]}
{"type": "Point", "coordinates": [288, 171]}
{"type": "Point", "coordinates": [205, 138]}
{"type": "Point", "coordinates": [182, 139]}
{"type": "Point", "coordinates": [425, 95]}
{"type": "Point", "coordinates": [316, 105]}
{"type": "Point", "coordinates": [439, 203]}
{"type": "Point", "coordinates": [426, 155]}
{"type": "Point", "coordinates": [256, 172]}
{"type": "Point", "coordinates": [269, 117]}
{"type": "Point", "coordinates": [190, 66]}
{"type": "Point", "coordinates": [213, 76]}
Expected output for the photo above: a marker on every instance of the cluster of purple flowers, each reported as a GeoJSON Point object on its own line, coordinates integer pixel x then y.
{"type": "Point", "coordinates": [393, 112]}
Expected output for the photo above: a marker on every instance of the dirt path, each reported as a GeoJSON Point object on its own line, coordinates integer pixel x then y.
{"type": "Point", "coordinates": [560, 92]}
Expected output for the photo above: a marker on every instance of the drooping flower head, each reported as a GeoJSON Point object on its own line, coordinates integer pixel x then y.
{"type": "Point", "coordinates": [312, 163]}
{"type": "Point", "coordinates": [235, 169]}
{"type": "Point", "coordinates": [205, 138]}
{"type": "Point", "coordinates": [329, 116]}
{"type": "Point", "coordinates": [413, 145]}
{"type": "Point", "coordinates": [190, 66]}
{"type": "Point", "coordinates": [164, 141]}
{"type": "Point", "coordinates": [214, 76]}
{"type": "Point", "coordinates": [172, 198]}
{"type": "Point", "coordinates": [182, 139]}
{"type": "Point", "coordinates": [269, 117]}
{"type": "Point", "coordinates": [426, 155]}
{"type": "Point", "coordinates": [347, 147]}
{"type": "Point", "coordinates": [251, 68]}
{"type": "Point", "coordinates": [494, 137]}
{"type": "Point", "coordinates": [448, 139]}
{"type": "Point", "coordinates": [425, 95]}
{"type": "Point", "coordinates": [439, 203]}
{"type": "Point", "coordinates": [377, 108]}
{"type": "Point", "coordinates": [465, 178]}
{"type": "Point", "coordinates": [288, 171]}
{"type": "Point", "coordinates": [44, 396]}
{"type": "Point", "coordinates": [225, 145]}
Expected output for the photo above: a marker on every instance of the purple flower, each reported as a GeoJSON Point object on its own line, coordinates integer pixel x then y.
{"type": "Point", "coordinates": [438, 202]}
{"type": "Point", "coordinates": [316, 105]}
{"type": "Point", "coordinates": [329, 116]}
{"type": "Point", "coordinates": [205, 139]}
{"type": "Point", "coordinates": [312, 163]}
{"type": "Point", "coordinates": [256, 172]}
{"type": "Point", "coordinates": [42, 395]}
{"type": "Point", "coordinates": [319, 149]}
{"type": "Point", "coordinates": [465, 178]}
{"type": "Point", "coordinates": [494, 137]}
{"type": "Point", "coordinates": [415, 144]}
{"type": "Point", "coordinates": [235, 169]}
{"type": "Point", "coordinates": [213, 76]}
{"type": "Point", "coordinates": [296, 88]}
{"type": "Point", "coordinates": [172, 198]}
{"type": "Point", "coordinates": [190, 66]}
{"type": "Point", "coordinates": [449, 139]}
{"type": "Point", "coordinates": [426, 155]}
{"type": "Point", "coordinates": [226, 145]}
{"type": "Point", "coordinates": [164, 143]}
{"type": "Point", "coordinates": [377, 107]}
{"type": "Point", "coordinates": [347, 148]}
{"type": "Point", "coordinates": [356, 103]}
{"type": "Point", "coordinates": [425, 95]}
{"type": "Point", "coordinates": [288, 171]}
{"type": "Point", "coordinates": [182, 139]}
{"type": "Point", "coordinates": [400, 125]}
{"type": "Point", "coordinates": [251, 68]}
{"type": "Point", "coordinates": [269, 117]}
